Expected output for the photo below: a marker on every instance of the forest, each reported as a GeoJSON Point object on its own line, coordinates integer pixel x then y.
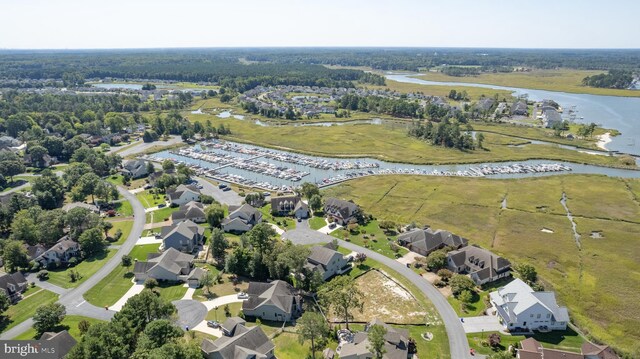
{"type": "Point", "coordinates": [614, 79]}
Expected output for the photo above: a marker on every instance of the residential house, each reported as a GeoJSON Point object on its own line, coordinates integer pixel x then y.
{"type": "Point", "coordinates": [63, 342]}
{"type": "Point", "coordinates": [230, 325]}
{"type": "Point", "coordinates": [425, 241]}
{"type": "Point", "coordinates": [170, 265]}
{"type": "Point", "coordinates": [550, 117]}
{"type": "Point", "coordinates": [244, 343]}
{"type": "Point", "coordinates": [13, 285]}
{"type": "Point", "coordinates": [8, 142]}
{"type": "Point", "coordinates": [192, 211]}
{"type": "Point", "coordinates": [289, 205]}
{"type": "Point", "coordinates": [396, 344]}
{"type": "Point", "coordinates": [241, 219]}
{"type": "Point", "coordinates": [327, 261]}
{"type": "Point", "coordinates": [521, 308]}
{"type": "Point", "coordinates": [135, 168]}
{"type": "Point", "coordinates": [481, 265]}
{"type": "Point", "coordinates": [485, 104]}
{"type": "Point", "coordinates": [59, 253]}
{"type": "Point", "coordinates": [183, 194]}
{"type": "Point", "coordinates": [519, 108]}
{"type": "Point", "coordinates": [341, 211]}
{"type": "Point", "coordinates": [185, 236]}
{"type": "Point", "coordinates": [277, 301]}
{"type": "Point", "coordinates": [533, 349]}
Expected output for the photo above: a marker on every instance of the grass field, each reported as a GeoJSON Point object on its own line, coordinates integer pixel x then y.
{"type": "Point", "coordinates": [171, 291]}
{"type": "Point", "coordinates": [392, 144]}
{"type": "Point", "coordinates": [124, 226]}
{"type": "Point", "coordinates": [317, 222]}
{"type": "Point", "coordinates": [160, 215]}
{"type": "Point", "coordinates": [219, 315]}
{"type": "Point", "coordinates": [563, 80]}
{"type": "Point", "coordinates": [149, 199]}
{"type": "Point", "coordinates": [596, 282]}
{"type": "Point", "coordinates": [115, 284]}
{"type": "Point", "coordinates": [567, 340]}
{"type": "Point", "coordinates": [376, 239]}
{"type": "Point", "coordinates": [69, 323]}
{"type": "Point", "coordinates": [441, 90]}
{"type": "Point", "coordinates": [26, 308]}
{"type": "Point", "coordinates": [86, 269]}
{"type": "Point", "coordinates": [124, 209]}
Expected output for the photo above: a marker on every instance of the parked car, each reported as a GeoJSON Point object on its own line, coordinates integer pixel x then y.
{"type": "Point", "coordinates": [162, 205]}
{"type": "Point", "coordinates": [299, 219]}
{"type": "Point", "coordinates": [243, 295]}
{"type": "Point", "coordinates": [226, 189]}
{"type": "Point", "coordinates": [148, 186]}
{"type": "Point", "coordinates": [213, 324]}
{"type": "Point", "coordinates": [332, 225]}
{"type": "Point", "coordinates": [266, 194]}
{"type": "Point", "coordinates": [222, 185]}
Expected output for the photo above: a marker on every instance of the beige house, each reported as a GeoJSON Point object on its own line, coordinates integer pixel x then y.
{"type": "Point", "coordinates": [171, 265]}
{"type": "Point", "coordinates": [327, 261]}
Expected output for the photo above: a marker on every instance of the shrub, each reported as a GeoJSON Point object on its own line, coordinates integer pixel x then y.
{"type": "Point", "coordinates": [445, 274]}
{"type": "Point", "coordinates": [43, 275]}
{"type": "Point", "coordinates": [73, 261]}
{"type": "Point", "coordinates": [438, 283]}
{"type": "Point", "coordinates": [150, 283]}
{"type": "Point", "coordinates": [117, 234]}
{"type": "Point", "coordinates": [35, 266]}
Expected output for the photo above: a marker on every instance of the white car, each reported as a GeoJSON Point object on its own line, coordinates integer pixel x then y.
{"type": "Point", "coordinates": [243, 295]}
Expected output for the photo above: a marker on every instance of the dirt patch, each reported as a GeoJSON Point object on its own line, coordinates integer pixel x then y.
{"type": "Point", "coordinates": [388, 301]}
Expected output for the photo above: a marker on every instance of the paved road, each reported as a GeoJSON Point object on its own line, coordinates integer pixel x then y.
{"type": "Point", "coordinates": [31, 277]}
{"type": "Point", "coordinates": [190, 313]}
{"type": "Point", "coordinates": [73, 299]}
{"type": "Point", "coordinates": [457, 339]}
{"type": "Point", "coordinates": [230, 198]}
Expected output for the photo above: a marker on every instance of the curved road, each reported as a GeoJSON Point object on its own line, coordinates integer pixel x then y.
{"type": "Point", "coordinates": [458, 344]}
{"type": "Point", "coordinates": [73, 299]}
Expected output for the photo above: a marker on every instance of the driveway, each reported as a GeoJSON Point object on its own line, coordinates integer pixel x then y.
{"type": "Point", "coordinates": [230, 198]}
{"type": "Point", "coordinates": [458, 344]}
{"type": "Point", "coordinates": [148, 240]}
{"type": "Point", "coordinates": [220, 301]}
{"type": "Point", "coordinates": [484, 323]}
{"type": "Point", "coordinates": [326, 229]}
{"type": "Point", "coordinates": [190, 313]}
{"type": "Point", "coordinates": [31, 277]}
{"type": "Point", "coordinates": [409, 258]}
{"type": "Point", "coordinates": [136, 288]}
{"type": "Point", "coordinates": [142, 146]}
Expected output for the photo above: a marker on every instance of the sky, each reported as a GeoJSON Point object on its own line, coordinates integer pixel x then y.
{"type": "Point", "coordinates": [80, 24]}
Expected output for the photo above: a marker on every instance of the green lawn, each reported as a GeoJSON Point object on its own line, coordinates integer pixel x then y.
{"type": "Point", "coordinates": [222, 289]}
{"type": "Point", "coordinates": [124, 226]}
{"type": "Point", "coordinates": [160, 215]}
{"type": "Point", "coordinates": [86, 269]}
{"type": "Point", "coordinates": [219, 315]}
{"type": "Point", "coordinates": [149, 199]}
{"type": "Point", "coordinates": [377, 240]}
{"type": "Point", "coordinates": [596, 283]}
{"type": "Point", "coordinates": [115, 284]}
{"type": "Point", "coordinates": [288, 347]}
{"type": "Point", "coordinates": [124, 209]}
{"type": "Point", "coordinates": [567, 340]}
{"type": "Point", "coordinates": [69, 323]}
{"type": "Point", "coordinates": [25, 308]}
{"type": "Point", "coordinates": [171, 291]}
{"type": "Point", "coordinates": [317, 222]}
{"type": "Point", "coordinates": [284, 222]}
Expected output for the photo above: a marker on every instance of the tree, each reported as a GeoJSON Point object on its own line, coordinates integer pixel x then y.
{"type": "Point", "coordinates": [91, 242]}
{"type": "Point", "coordinates": [460, 283]}
{"type": "Point", "coordinates": [127, 261]}
{"type": "Point", "coordinates": [480, 140]}
{"type": "Point", "coordinates": [218, 244]}
{"type": "Point", "coordinates": [150, 168]}
{"type": "Point", "coordinates": [38, 154]}
{"type": "Point", "coordinates": [313, 327]}
{"type": "Point", "coordinates": [375, 335]}
{"type": "Point", "coordinates": [436, 260]}
{"type": "Point", "coordinates": [261, 237]}
{"type": "Point", "coordinates": [150, 283]}
{"type": "Point", "coordinates": [206, 281]}
{"type": "Point", "coordinates": [88, 185]}
{"type": "Point", "coordinates": [157, 334]}
{"type": "Point", "coordinates": [360, 258]}
{"type": "Point", "coordinates": [309, 189]}
{"type": "Point", "coordinates": [527, 272]}
{"type": "Point", "coordinates": [168, 165]}
{"type": "Point", "coordinates": [342, 296]}
{"type": "Point", "coordinates": [465, 297]}
{"type": "Point", "coordinates": [49, 190]}
{"type": "Point", "coordinates": [214, 215]}
{"type": "Point", "coordinates": [12, 168]}
{"type": "Point", "coordinates": [494, 340]}
{"type": "Point", "coordinates": [24, 228]}
{"type": "Point", "coordinates": [48, 317]}
{"type": "Point", "coordinates": [315, 202]}
{"type": "Point", "coordinates": [14, 255]}
{"type": "Point", "coordinates": [142, 309]}
{"type": "Point", "coordinates": [83, 326]}
{"type": "Point", "coordinates": [237, 262]}
{"type": "Point", "coordinates": [4, 302]}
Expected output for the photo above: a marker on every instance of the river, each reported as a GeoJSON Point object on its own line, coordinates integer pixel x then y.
{"type": "Point", "coordinates": [620, 113]}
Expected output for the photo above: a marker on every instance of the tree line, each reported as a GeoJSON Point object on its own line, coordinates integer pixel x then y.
{"type": "Point", "coordinates": [614, 79]}
{"type": "Point", "coordinates": [446, 134]}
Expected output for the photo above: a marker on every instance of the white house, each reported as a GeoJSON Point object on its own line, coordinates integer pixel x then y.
{"type": "Point", "coordinates": [183, 194]}
{"type": "Point", "coordinates": [519, 306]}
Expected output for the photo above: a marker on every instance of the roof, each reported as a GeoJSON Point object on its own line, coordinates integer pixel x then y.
{"type": "Point", "coordinates": [171, 260]}
{"type": "Point", "coordinates": [62, 246]}
{"type": "Point", "coordinates": [244, 342]}
{"type": "Point", "coordinates": [345, 208]}
{"type": "Point", "coordinates": [186, 229]}
{"type": "Point", "coordinates": [288, 201]}
{"type": "Point", "coordinates": [428, 240]}
{"type": "Point", "coordinates": [63, 340]}
{"type": "Point", "coordinates": [230, 324]}
{"type": "Point", "coordinates": [189, 210]}
{"type": "Point", "coordinates": [177, 193]}
{"type": "Point", "coordinates": [602, 351]}
{"type": "Point", "coordinates": [532, 349]}
{"type": "Point", "coordinates": [15, 280]}
{"type": "Point", "coordinates": [245, 213]}
{"type": "Point", "coordinates": [322, 255]}
{"type": "Point", "coordinates": [396, 342]}
{"type": "Point", "coordinates": [277, 293]}
{"type": "Point", "coordinates": [482, 262]}
{"type": "Point", "coordinates": [137, 168]}
{"type": "Point", "coordinates": [517, 297]}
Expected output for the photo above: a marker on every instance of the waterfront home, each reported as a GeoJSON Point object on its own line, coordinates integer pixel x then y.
{"type": "Point", "coordinates": [277, 301]}
{"type": "Point", "coordinates": [425, 241]}
{"type": "Point", "coordinates": [521, 308]}
{"type": "Point", "coordinates": [519, 108]}
{"type": "Point", "coordinates": [183, 194]}
{"type": "Point", "coordinates": [480, 264]}
{"type": "Point", "coordinates": [289, 205]}
{"type": "Point", "coordinates": [135, 168]}
{"type": "Point", "coordinates": [241, 219]}
{"type": "Point", "coordinates": [341, 211]}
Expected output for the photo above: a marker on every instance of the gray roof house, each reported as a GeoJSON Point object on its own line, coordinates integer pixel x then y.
{"type": "Point", "coordinates": [550, 117]}
{"type": "Point", "coordinates": [64, 342]}
{"type": "Point", "coordinates": [244, 343]}
{"type": "Point", "coordinates": [277, 301]}
{"type": "Point", "coordinates": [519, 108]}
{"type": "Point", "coordinates": [327, 261]}
{"type": "Point", "coordinates": [171, 265]}
{"type": "Point", "coordinates": [289, 205]}
{"type": "Point", "coordinates": [533, 349]}
{"type": "Point", "coordinates": [485, 104]}
{"type": "Point", "coordinates": [341, 211]}
{"type": "Point", "coordinates": [241, 219]}
{"type": "Point", "coordinates": [230, 325]}
{"type": "Point", "coordinates": [59, 253]}
{"type": "Point", "coordinates": [192, 211]}
{"type": "Point", "coordinates": [185, 236]}
{"type": "Point", "coordinates": [13, 285]}
{"type": "Point", "coordinates": [183, 194]}
{"type": "Point", "coordinates": [396, 344]}
{"type": "Point", "coordinates": [425, 241]}
{"type": "Point", "coordinates": [135, 168]}
{"type": "Point", "coordinates": [481, 265]}
{"type": "Point", "coordinates": [520, 307]}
